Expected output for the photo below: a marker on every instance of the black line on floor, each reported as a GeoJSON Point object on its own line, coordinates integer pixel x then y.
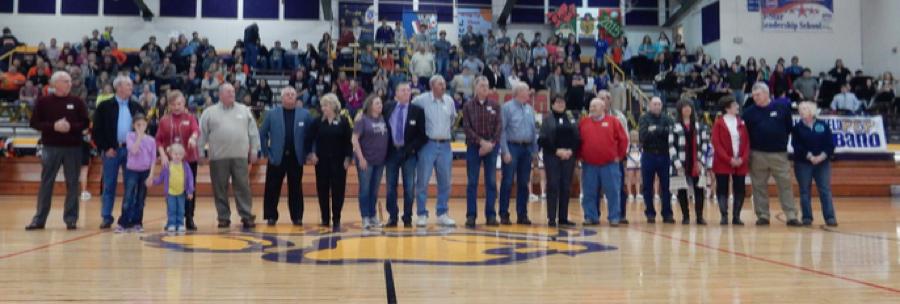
{"type": "Point", "coordinates": [389, 283]}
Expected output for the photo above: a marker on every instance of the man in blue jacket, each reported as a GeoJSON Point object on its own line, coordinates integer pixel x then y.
{"type": "Point", "coordinates": [769, 124]}
{"type": "Point", "coordinates": [283, 142]}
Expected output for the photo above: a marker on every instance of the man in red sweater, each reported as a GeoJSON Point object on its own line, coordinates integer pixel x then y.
{"type": "Point", "coordinates": [60, 118]}
{"type": "Point", "coordinates": [604, 144]}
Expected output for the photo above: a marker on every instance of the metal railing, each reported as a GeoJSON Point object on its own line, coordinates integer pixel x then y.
{"type": "Point", "coordinates": [632, 90]}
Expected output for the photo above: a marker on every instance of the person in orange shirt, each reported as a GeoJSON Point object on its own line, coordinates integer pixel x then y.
{"type": "Point", "coordinates": [10, 83]}
{"type": "Point", "coordinates": [39, 64]}
{"type": "Point", "coordinates": [117, 53]}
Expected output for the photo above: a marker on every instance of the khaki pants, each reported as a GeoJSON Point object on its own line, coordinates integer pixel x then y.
{"type": "Point", "coordinates": [776, 164]}
{"type": "Point", "coordinates": [237, 170]}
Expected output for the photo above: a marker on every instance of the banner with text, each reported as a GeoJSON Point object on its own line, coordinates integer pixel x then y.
{"type": "Point", "coordinates": [478, 18]}
{"type": "Point", "coordinates": [797, 15]}
{"type": "Point", "coordinates": [855, 134]}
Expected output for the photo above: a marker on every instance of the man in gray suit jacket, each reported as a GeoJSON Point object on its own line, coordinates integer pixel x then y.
{"type": "Point", "coordinates": [283, 141]}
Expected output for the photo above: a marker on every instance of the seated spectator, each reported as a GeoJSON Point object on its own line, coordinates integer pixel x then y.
{"type": "Point", "coordinates": [116, 53]}
{"type": "Point", "coordinates": [277, 57]}
{"type": "Point", "coordinates": [384, 34]}
{"type": "Point", "coordinates": [147, 99]}
{"type": "Point", "coordinates": [846, 102]}
{"type": "Point", "coordinates": [684, 68]}
{"type": "Point", "coordinates": [106, 93]}
{"type": "Point", "coordinates": [557, 82]}
{"type": "Point", "coordinates": [780, 82]}
{"type": "Point", "coordinates": [839, 73]}
{"type": "Point", "coordinates": [464, 83]}
{"type": "Point", "coordinates": [354, 95]}
{"type": "Point", "coordinates": [886, 94]}
{"type": "Point", "coordinates": [863, 86]}
{"type": "Point", "coordinates": [795, 70]}
{"type": "Point", "coordinates": [806, 86]}
{"type": "Point", "coordinates": [10, 83]}
{"type": "Point", "coordinates": [28, 94]}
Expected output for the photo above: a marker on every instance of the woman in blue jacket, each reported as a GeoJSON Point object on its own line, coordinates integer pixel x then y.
{"type": "Point", "coordinates": [813, 149]}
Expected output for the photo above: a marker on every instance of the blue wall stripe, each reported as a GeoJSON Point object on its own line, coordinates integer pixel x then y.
{"type": "Point", "coordinates": [219, 8]}
{"type": "Point", "coordinates": [37, 6]}
{"type": "Point", "coordinates": [301, 9]}
{"type": "Point", "coordinates": [120, 8]}
{"type": "Point", "coordinates": [260, 9]}
{"type": "Point", "coordinates": [709, 23]}
{"type": "Point", "coordinates": [178, 8]}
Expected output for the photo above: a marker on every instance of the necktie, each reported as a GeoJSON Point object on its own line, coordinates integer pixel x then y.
{"type": "Point", "coordinates": [399, 125]}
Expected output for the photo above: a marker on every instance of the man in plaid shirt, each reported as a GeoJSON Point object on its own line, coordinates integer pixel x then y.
{"type": "Point", "coordinates": [481, 121]}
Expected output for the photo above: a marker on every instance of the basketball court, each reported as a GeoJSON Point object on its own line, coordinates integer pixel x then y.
{"type": "Point", "coordinates": [857, 262]}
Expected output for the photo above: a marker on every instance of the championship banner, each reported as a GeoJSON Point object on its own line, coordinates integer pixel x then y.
{"type": "Point", "coordinates": [412, 21]}
{"type": "Point", "coordinates": [605, 22]}
{"type": "Point", "coordinates": [854, 134]}
{"type": "Point", "coordinates": [797, 15]}
{"type": "Point", "coordinates": [359, 15]}
{"type": "Point", "coordinates": [478, 18]}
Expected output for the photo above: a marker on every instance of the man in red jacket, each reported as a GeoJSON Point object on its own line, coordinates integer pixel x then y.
{"type": "Point", "coordinates": [604, 144]}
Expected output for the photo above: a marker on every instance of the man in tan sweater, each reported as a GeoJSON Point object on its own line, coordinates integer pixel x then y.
{"type": "Point", "coordinates": [229, 132]}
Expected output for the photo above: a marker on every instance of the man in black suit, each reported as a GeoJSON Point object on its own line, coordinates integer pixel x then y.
{"type": "Point", "coordinates": [112, 122]}
{"type": "Point", "coordinates": [406, 126]}
{"type": "Point", "coordinates": [494, 76]}
{"type": "Point", "coordinates": [531, 78]}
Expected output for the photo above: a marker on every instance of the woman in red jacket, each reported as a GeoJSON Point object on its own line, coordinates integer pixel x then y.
{"type": "Point", "coordinates": [731, 146]}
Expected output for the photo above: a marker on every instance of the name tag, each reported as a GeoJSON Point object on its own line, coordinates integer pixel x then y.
{"type": "Point", "coordinates": [773, 114]}
{"type": "Point", "coordinates": [491, 109]}
{"type": "Point", "coordinates": [300, 124]}
{"type": "Point", "coordinates": [70, 107]}
{"type": "Point", "coordinates": [560, 121]}
{"type": "Point", "coordinates": [185, 123]}
{"type": "Point", "coordinates": [412, 122]}
{"type": "Point", "coordinates": [604, 124]}
{"type": "Point", "coordinates": [651, 128]}
{"type": "Point", "coordinates": [334, 122]}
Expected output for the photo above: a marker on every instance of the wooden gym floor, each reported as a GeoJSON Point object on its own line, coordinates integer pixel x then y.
{"type": "Point", "coordinates": [857, 262]}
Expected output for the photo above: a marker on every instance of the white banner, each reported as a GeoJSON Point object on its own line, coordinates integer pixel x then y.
{"type": "Point", "coordinates": [854, 134]}
{"type": "Point", "coordinates": [797, 15]}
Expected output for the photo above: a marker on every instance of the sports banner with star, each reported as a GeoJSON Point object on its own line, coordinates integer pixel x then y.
{"type": "Point", "coordinates": [797, 15]}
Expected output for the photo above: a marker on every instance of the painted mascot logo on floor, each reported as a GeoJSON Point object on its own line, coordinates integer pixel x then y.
{"type": "Point", "coordinates": [477, 247]}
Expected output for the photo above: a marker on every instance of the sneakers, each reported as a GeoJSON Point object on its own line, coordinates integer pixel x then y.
{"type": "Point", "coordinates": [182, 229]}
{"type": "Point", "coordinates": [85, 196]}
{"type": "Point", "coordinates": [170, 229]}
{"type": "Point", "coordinates": [422, 221]}
{"type": "Point", "coordinates": [120, 229]}
{"type": "Point", "coordinates": [374, 223]}
{"type": "Point", "coordinates": [445, 220]}
{"type": "Point", "coordinates": [365, 223]}
{"type": "Point", "coordinates": [138, 228]}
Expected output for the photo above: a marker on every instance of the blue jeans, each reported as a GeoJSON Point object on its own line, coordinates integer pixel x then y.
{"type": "Point", "coordinates": [110, 179]}
{"type": "Point", "coordinates": [520, 166]}
{"type": "Point", "coordinates": [474, 161]}
{"type": "Point", "coordinates": [397, 162]}
{"type": "Point", "coordinates": [441, 65]}
{"type": "Point", "coordinates": [175, 209]}
{"type": "Point", "coordinates": [821, 173]}
{"type": "Point", "coordinates": [251, 51]}
{"type": "Point", "coordinates": [276, 63]}
{"type": "Point", "coordinates": [135, 196]}
{"type": "Point", "coordinates": [435, 158]}
{"type": "Point", "coordinates": [656, 165]}
{"type": "Point", "coordinates": [593, 178]}
{"type": "Point", "coordinates": [369, 180]}
{"type": "Point", "coordinates": [292, 61]}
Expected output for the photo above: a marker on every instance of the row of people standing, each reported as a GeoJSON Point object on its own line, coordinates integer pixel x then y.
{"type": "Point", "coordinates": [413, 138]}
{"type": "Point", "coordinates": [754, 142]}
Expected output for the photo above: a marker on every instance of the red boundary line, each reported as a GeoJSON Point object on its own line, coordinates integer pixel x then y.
{"type": "Point", "coordinates": [45, 246]}
{"type": "Point", "coordinates": [779, 263]}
